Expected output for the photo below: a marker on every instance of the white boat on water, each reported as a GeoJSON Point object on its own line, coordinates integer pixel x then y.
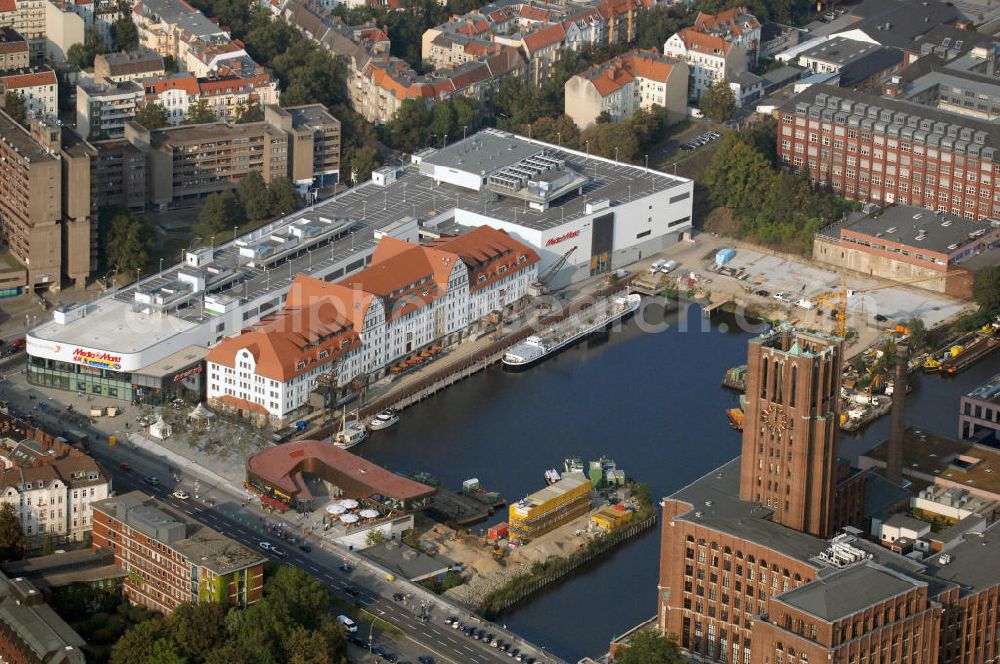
{"type": "Point", "coordinates": [350, 435]}
{"type": "Point", "coordinates": [536, 348]}
{"type": "Point", "coordinates": [384, 420]}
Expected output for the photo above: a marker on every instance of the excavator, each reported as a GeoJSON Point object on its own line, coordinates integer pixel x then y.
{"type": "Point", "coordinates": [836, 301]}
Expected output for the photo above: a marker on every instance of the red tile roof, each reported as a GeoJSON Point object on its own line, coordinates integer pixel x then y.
{"type": "Point", "coordinates": [281, 467]}
{"type": "Point", "coordinates": [8, 6]}
{"type": "Point", "coordinates": [186, 82]}
{"type": "Point", "coordinates": [611, 75]}
{"type": "Point", "coordinates": [547, 36]}
{"type": "Point", "coordinates": [700, 42]}
{"type": "Point", "coordinates": [18, 80]}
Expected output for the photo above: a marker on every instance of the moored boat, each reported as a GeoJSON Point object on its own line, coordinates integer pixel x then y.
{"type": "Point", "coordinates": [384, 419]}
{"type": "Point", "coordinates": [350, 435]}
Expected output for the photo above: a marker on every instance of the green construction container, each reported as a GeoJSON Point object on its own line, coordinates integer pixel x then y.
{"type": "Point", "coordinates": [596, 476]}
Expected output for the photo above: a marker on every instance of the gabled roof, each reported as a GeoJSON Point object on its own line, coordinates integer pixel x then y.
{"type": "Point", "coordinates": [699, 42]}
{"type": "Point", "coordinates": [22, 78]}
{"type": "Point", "coordinates": [180, 81]}
{"type": "Point", "coordinates": [544, 37]}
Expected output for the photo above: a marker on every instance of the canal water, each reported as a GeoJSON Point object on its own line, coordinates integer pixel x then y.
{"type": "Point", "coordinates": [652, 401]}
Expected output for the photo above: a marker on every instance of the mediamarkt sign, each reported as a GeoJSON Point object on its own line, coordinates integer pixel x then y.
{"type": "Point", "coordinates": [560, 238]}
{"type": "Point", "coordinates": [100, 360]}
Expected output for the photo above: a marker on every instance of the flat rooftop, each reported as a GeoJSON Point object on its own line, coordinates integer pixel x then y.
{"type": "Point", "coordinates": [974, 564]}
{"type": "Point", "coordinates": [313, 115]}
{"type": "Point", "coordinates": [112, 325]}
{"type": "Point", "coordinates": [964, 463]}
{"type": "Point", "coordinates": [212, 131]}
{"type": "Point", "coordinates": [201, 545]}
{"type": "Point", "coordinates": [555, 490]}
{"type": "Point", "coordinates": [941, 232]}
{"type": "Point", "coordinates": [185, 357]}
{"type": "Point", "coordinates": [18, 138]}
{"type": "Point", "coordinates": [716, 504]}
{"type": "Point", "coordinates": [988, 391]}
{"type": "Point", "coordinates": [846, 591]}
{"type": "Point", "coordinates": [840, 51]}
{"type": "Point", "coordinates": [409, 563]}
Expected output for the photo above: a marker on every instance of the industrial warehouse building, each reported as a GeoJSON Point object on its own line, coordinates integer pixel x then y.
{"type": "Point", "coordinates": [598, 213]}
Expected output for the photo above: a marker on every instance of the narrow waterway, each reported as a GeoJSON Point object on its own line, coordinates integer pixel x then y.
{"type": "Point", "coordinates": [651, 401]}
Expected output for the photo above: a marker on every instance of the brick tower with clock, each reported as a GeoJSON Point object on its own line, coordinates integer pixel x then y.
{"type": "Point", "coordinates": [790, 428]}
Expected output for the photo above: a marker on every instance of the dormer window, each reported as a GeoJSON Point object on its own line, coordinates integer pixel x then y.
{"type": "Point", "coordinates": [482, 279]}
{"type": "Point", "coordinates": [323, 354]}
{"type": "Point", "coordinates": [522, 259]}
{"type": "Point", "coordinates": [300, 365]}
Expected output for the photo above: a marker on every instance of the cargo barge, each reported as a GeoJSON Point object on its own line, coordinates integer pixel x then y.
{"type": "Point", "coordinates": [964, 351]}
{"type": "Point", "coordinates": [736, 378]}
{"type": "Point", "coordinates": [536, 348]}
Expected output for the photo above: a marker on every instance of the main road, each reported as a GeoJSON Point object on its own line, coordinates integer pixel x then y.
{"type": "Point", "coordinates": [226, 514]}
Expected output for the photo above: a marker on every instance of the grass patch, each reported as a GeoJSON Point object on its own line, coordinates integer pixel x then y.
{"type": "Point", "coordinates": [367, 618]}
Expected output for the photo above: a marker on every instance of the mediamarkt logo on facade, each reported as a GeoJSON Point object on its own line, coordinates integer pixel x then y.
{"type": "Point", "coordinates": [101, 360]}
{"type": "Point", "coordinates": [559, 238]}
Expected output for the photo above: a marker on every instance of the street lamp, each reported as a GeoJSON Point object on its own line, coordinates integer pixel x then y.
{"type": "Point", "coordinates": [429, 139]}
{"type": "Point", "coordinates": [161, 266]}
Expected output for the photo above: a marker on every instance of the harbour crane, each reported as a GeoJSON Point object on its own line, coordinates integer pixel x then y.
{"type": "Point", "coordinates": [541, 286]}
{"type": "Point", "coordinates": [836, 300]}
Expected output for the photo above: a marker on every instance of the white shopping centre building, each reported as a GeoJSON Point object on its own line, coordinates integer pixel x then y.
{"type": "Point", "coordinates": [147, 342]}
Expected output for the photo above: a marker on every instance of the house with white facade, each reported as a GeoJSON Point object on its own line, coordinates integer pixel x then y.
{"type": "Point", "coordinates": [717, 47]}
{"type": "Point", "coordinates": [37, 85]}
{"type": "Point", "coordinates": [410, 297]}
{"type": "Point", "coordinates": [51, 487]}
{"type": "Point", "coordinates": [624, 84]}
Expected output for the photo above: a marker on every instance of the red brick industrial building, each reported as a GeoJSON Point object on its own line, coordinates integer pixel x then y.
{"type": "Point", "coordinates": [748, 578]}
{"type": "Point", "coordinates": [169, 558]}
{"type": "Point", "coordinates": [883, 151]}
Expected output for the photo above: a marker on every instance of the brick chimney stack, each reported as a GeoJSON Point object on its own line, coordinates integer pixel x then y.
{"type": "Point", "coordinates": [894, 455]}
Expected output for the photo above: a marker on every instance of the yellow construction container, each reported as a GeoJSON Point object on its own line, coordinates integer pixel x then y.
{"type": "Point", "coordinates": [610, 518]}
{"type": "Point", "coordinates": [550, 507]}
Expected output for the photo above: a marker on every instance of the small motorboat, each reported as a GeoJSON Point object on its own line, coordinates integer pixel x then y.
{"type": "Point", "coordinates": [384, 420]}
{"type": "Point", "coordinates": [352, 434]}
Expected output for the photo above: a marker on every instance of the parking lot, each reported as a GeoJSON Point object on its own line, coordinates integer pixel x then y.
{"type": "Point", "coordinates": [700, 140]}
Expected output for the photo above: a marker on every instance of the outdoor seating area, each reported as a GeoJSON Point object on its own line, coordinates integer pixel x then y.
{"type": "Point", "coordinates": [416, 360]}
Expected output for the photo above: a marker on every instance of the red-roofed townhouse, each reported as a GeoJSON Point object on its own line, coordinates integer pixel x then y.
{"type": "Point", "coordinates": [38, 86]}
{"type": "Point", "coordinates": [622, 85]}
{"type": "Point", "coordinates": [410, 297]}
{"type": "Point", "coordinates": [175, 93]}
{"type": "Point", "coordinates": [711, 58]}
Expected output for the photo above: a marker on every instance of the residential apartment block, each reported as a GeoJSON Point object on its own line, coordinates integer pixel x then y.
{"type": "Point", "coordinates": [313, 144]}
{"type": "Point", "coordinates": [27, 17]}
{"type": "Point", "coordinates": [408, 298]}
{"type": "Point", "coordinates": [52, 488]}
{"type": "Point", "coordinates": [188, 162]}
{"type": "Point", "coordinates": [170, 558]}
{"type": "Point", "coordinates": [13, 49]}
{"type": "Point", "coordinates": [880, 150]}
{"type": "Point", "coordinates": [622, 85]}
{"type": "Point", "coordinates": [44, 204]}
{"type": "Point", "coordinates": [64, 26]}
{"type": "Point", "coordinates": [716, 48]}
{"type": "Point", "coordinates": [117, 175]}
{"type": "Point", "coordinates": [103, 107]}
{"type": "Point", "coordinates": [37, 85]}
{"type": "Point", "coordinates": [31, 632]}
{"type": "Point", "coordinates": [128, 66]}
{"type": "Point", "coordinates": [163, 24]}
{"type": "Point", "coordinates": [979, 413]}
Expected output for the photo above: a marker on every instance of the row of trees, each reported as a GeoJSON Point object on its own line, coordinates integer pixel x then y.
{"type": "Point", "coordinates": [154, 116]}
{"type": "Point", "coordinates": [774, 207]}
{"type": "Point", "coordinates": [253, 200]}
{"type": "Point", "coordinates": [291, 624]}
{"type": "Point", "coordinates": [127, 240]}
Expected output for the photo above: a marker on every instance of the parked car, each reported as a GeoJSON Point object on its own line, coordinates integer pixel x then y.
{"type": "Point", "coordinates": [399, 597]}
{"type": "Point", "coordinates": [346, 569]}
{"type": "Point", "coordinates": [349, 625]}
{"type": "Point", "coordinates": [352, 591]}
{"type": "Point", "coordinates": [181, 494]}
{"type": "Point", "coordinates": [450, 620]}
{"type": "Point", "coordinates": [425, 659]}
{"type": "Point", "coordinates": [278, 552]}
{"type": "Point", "coordinates": [265, 546]}
{"type": "Point", "coordinates": [305, 548]}
{"type": "Point", "coordinates": [152, 480]}
{"type": "Point", "coordinates": [880, 318]}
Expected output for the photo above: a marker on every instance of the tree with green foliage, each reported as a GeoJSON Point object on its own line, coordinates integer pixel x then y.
{"type": "Point", "coordinates": [136, 645]}
{"type": "Point", "coordinates": [375, 538]}
{"type": "Point", "coordinates": [82, 55]}
{"type": "Point", "coordinates": [152, 116]}
{"type": "Point", "coordinates": [918, 332]}
{"type": "Point", "coordinates": [125, 238]}
{"type": "Point", "coordinates": [285, 198]}
{"type": "Point", "coordinates": [196, 628]}
{"type": "Point", "coordinates": [13, 541]}
{"type": "Point", "coordinates": [199, 113]}
{"type": "Point", "coordinates": [613, 140]}
{"type": "Point", "coordinates": [124, 33]}
{"type": "Point", "coordinates": [359, 163]}
{"type": "Point", "coordinates": [986, 287]}
{"type": "Point", "coordinates": [254, 196]}
{"type": "Point", "coordinates": [15, 105]}
{"type": "Point", "coordinates": [655, 26]}
{"type": "Point", "coordinates": [719, 102]}
{"type": "Point", "coordinates": [220, 212]}
{"type": "Point", "coordinates": [650, 647]}
{"type": "Point", "coordinates": [249, 112]}
{"type": "Point", "coordinates": [737, 174]}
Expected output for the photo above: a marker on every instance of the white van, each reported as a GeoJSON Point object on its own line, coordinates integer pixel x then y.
{"type": "Point", "coordinates": [348, 624]}
{"type": "Point", "coordinates": [669, 267]}
{"type": "Point", "coordinates": [695, 112]}
{"type": "Point", "coordinates": [657, 266]}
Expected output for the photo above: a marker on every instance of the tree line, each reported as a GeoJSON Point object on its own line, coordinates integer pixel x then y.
{"type": "Point", "coordinates": [290, 625]}
{"type": "Point", "coordinates": [774, 207]}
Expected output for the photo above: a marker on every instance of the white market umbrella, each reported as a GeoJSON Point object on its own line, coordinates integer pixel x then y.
{"type": "Point", "coordinates": [349, 503]}
{"type": "Point", "coordinates": [368, 514]}
{"type": "Point", "coordinates": [349, 518]}
{"type": "Point", "coordinates": [335, 509]}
